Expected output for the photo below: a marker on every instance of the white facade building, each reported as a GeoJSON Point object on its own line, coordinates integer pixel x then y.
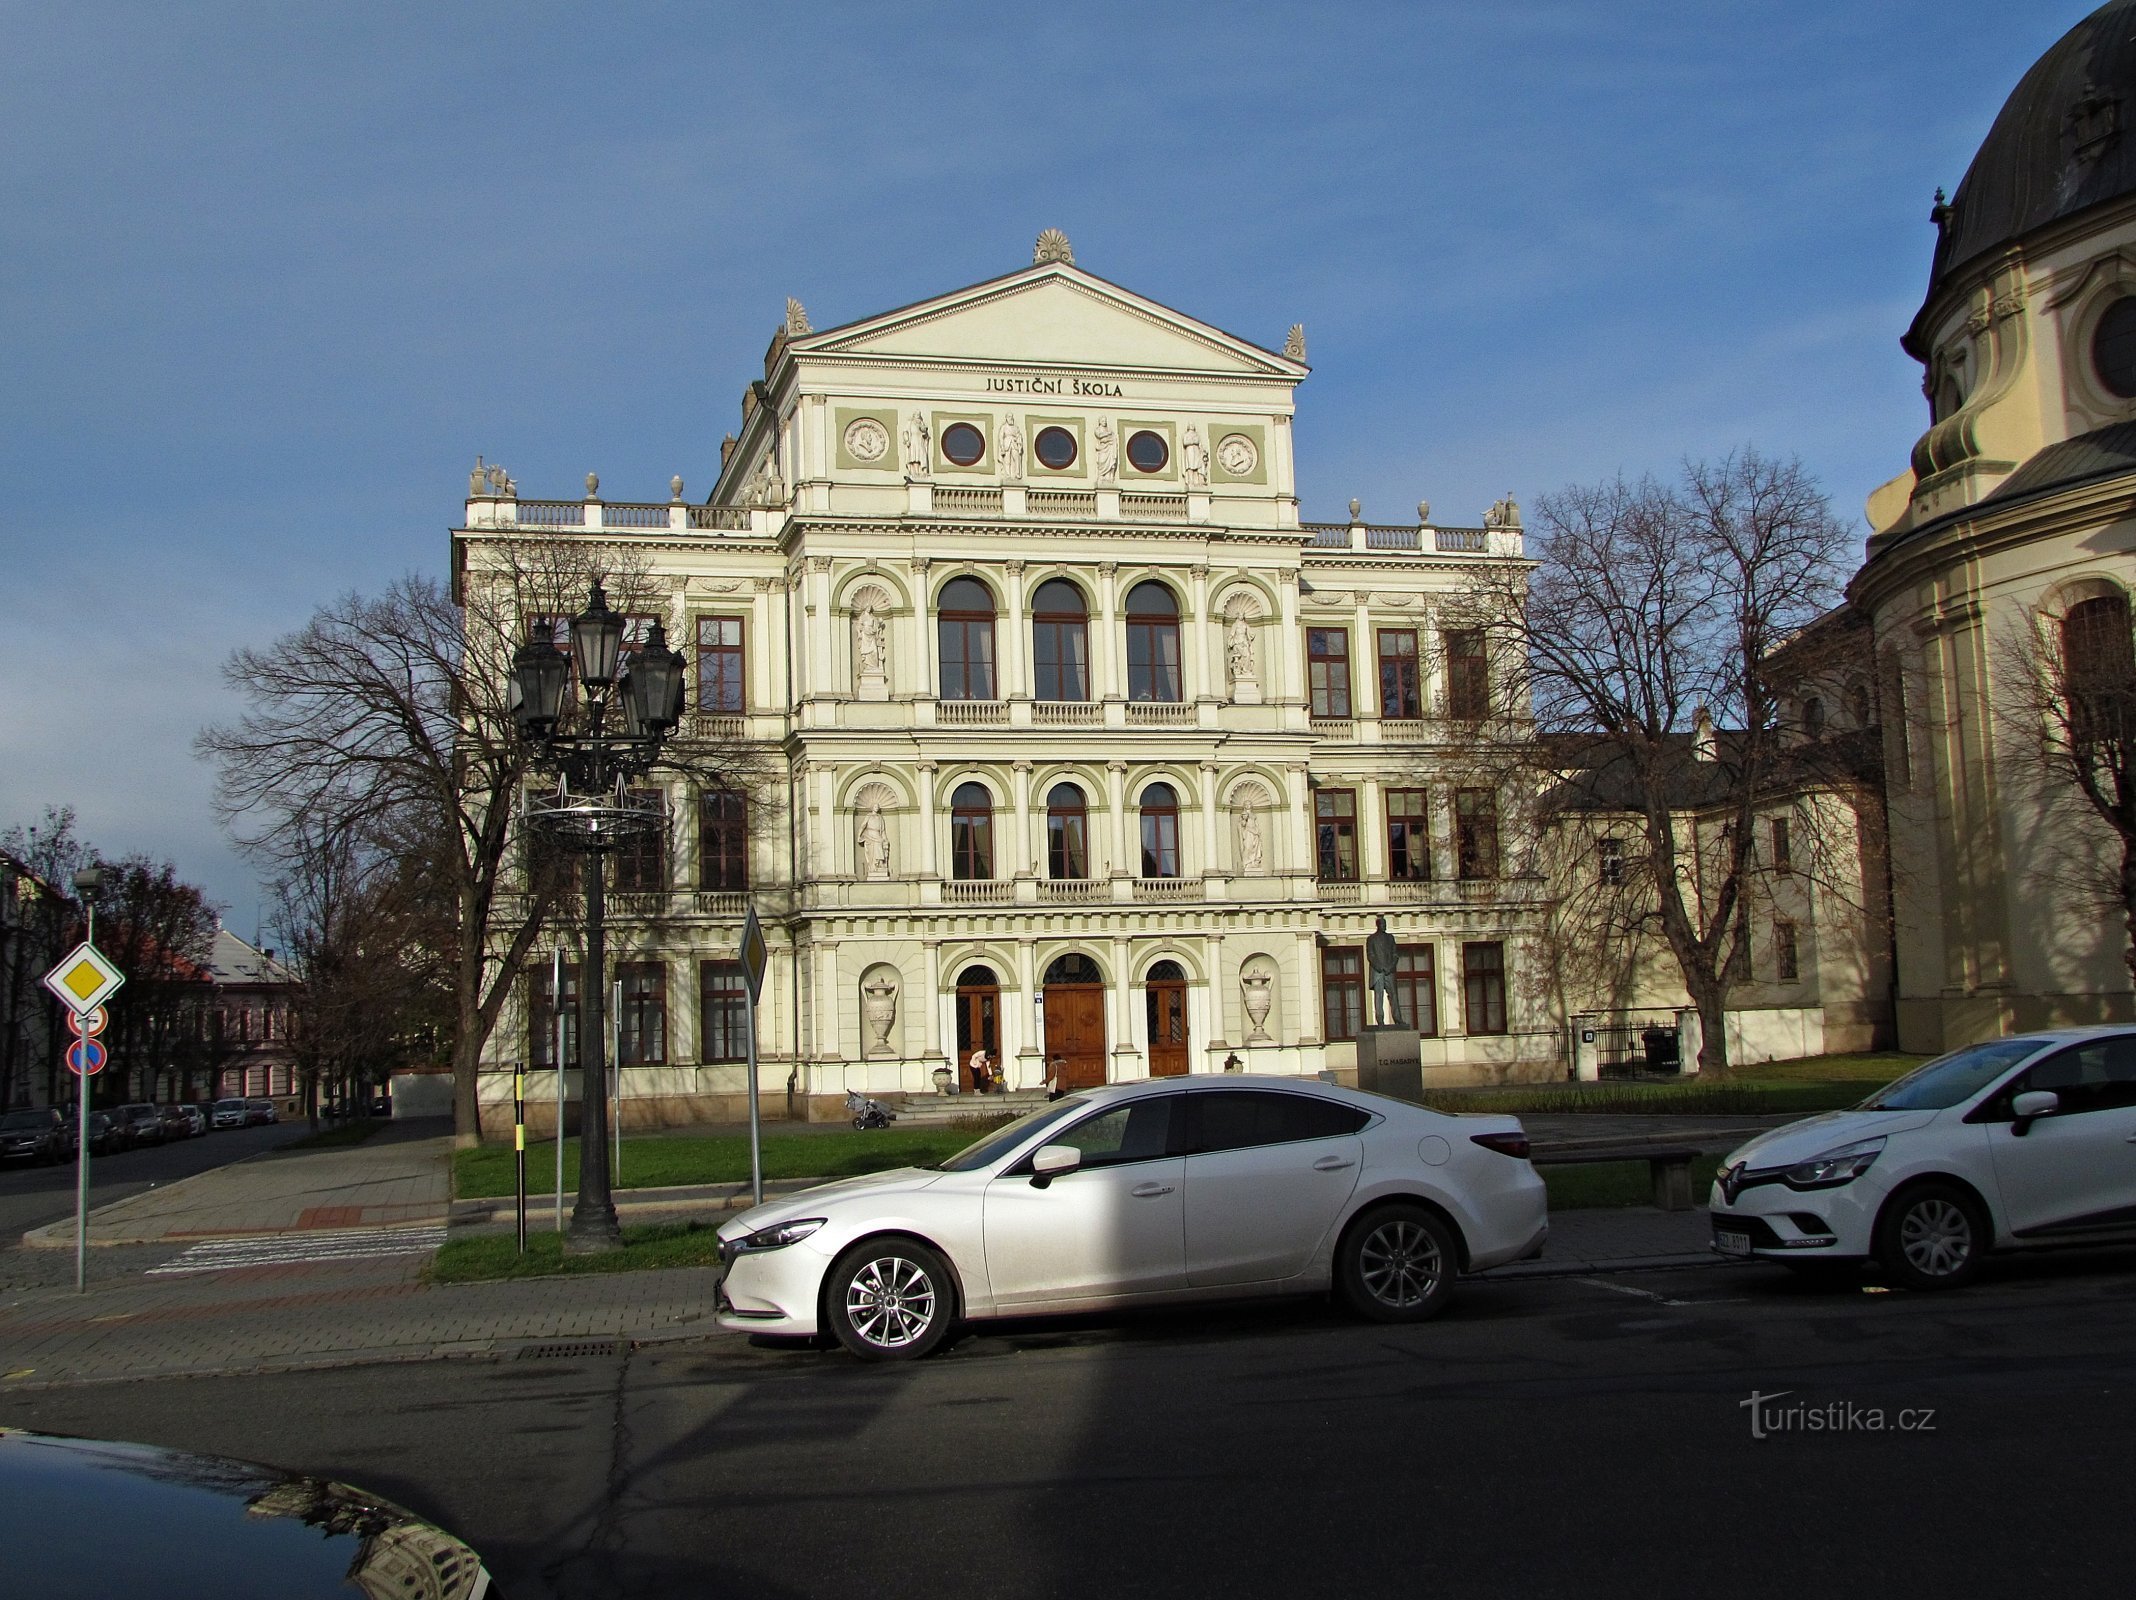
{"type": "Point", "coordinates": [1087, 751]}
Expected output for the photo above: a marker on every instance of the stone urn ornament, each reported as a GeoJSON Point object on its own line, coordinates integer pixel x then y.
{"type": "Point", "coordinates": [878, 1005]}
{"type": "Point", "coordinates": [1257, 988]}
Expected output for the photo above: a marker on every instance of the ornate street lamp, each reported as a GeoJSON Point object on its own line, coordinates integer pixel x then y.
{"type": "Point", "coordinates": [593, 756]}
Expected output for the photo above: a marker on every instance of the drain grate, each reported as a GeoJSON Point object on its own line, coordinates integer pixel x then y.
{"type": "Point", "coordinates": [565, 1352]}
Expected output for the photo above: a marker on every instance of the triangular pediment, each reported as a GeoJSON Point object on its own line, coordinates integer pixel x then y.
{"type": "Point", "coordinates": [1054, 314]}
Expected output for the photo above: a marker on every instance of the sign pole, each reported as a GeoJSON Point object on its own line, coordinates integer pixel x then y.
{"type": "Point", "coordinates": [615, 1065]}
{"type": "Point", "coordinates": [756, 956]}
{"type": "Point", "coordinates": [519, 1154]}
{"type": "Point", "coordinates": [556, 1007]}
{"type": "Point", "coordinates": [81, 1141]}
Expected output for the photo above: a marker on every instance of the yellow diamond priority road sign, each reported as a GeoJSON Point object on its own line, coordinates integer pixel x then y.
{"type": "Point", "coordinates": [84, 979]}
{"type": "Point", "coordinates": [756, 956]}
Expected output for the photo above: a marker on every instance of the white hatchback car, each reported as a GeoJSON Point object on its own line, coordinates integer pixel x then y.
{"type": "Point", "coordinates": [1135, 1194]}
{"type": "Point", "coordinates": [2012, 1144]}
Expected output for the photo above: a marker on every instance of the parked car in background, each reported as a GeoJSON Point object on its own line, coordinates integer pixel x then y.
{"type": "Point", "coordinates": [177, 1124]}
{"type": "Point", "coordinates": [1174, 1189]}
{"type": "Point", "coordinates": [232, 1113]}
{"type": "Point", "coordinates": [203, 1114]}
{"type": "Point", "coordinates": [2013, 1144]}
{"type": "Point", "coordinates": [105, 1137]}
{"type": "Point", "coordinates": [141, 1123]}
{"type": "Point", "coordinates": [42, 1134]}
{"type": "Point", "coordinates": [260, 1111]}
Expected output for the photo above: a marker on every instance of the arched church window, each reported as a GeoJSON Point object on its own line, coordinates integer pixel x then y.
{"type": "Point", "coordinates": [2114, 348]}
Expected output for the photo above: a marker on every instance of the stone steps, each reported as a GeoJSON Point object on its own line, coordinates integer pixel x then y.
{"type": "Point", "coordinates": [926, 1108]}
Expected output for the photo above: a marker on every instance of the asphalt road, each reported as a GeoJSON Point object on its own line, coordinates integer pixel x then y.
{"type": "Point", "coordinates": [31, 1196]}
{"type": "Point", "coordinates": [1550, 1437]}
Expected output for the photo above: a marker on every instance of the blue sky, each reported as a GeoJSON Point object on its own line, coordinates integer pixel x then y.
{"type": "Point", "coordinates": [274, 274]}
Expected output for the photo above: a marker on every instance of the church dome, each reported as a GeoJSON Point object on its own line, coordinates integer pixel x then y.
{"type": "Point", "coordinates": [2064, 142]}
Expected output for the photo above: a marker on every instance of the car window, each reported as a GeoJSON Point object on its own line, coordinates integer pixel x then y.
{"type": "Point", "coordinates": [1141, 1130]}
{"type": "Point", "coordinates": [1239, 1119]}
{"type": "Point", "coordinates": [1953, 1079]}
{"type": "Point", "coordinates": [15, 1120]}
{"type": "Point", "coordinates": [2098, 1075]}
{"type": "Point", "coordinates": [985, 1152]}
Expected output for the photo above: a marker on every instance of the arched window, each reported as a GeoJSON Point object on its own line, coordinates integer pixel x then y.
{"type": "Point", "coordinates": [1067, 833]}
{"type": "Point", "coordinates": [2099, 669]}
{"type": "Point", "coordinates": [1858, 704]}
{"type": "Point", "coordinates": [1060, 642]}
{"type": "Point", "coordinates": [971, 833]}
{"type": "Point", "coordinates": [1160, 831]}
{"type": "Point", "coordinates": [964, 622]}
{"type": "Point", "coordinates": [1813, 718]}
{"type": "Point", "coordinates": [1152, 643]}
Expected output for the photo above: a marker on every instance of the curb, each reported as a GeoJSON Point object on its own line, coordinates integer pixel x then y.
{"type": "Point", "coordinates": [1586, 1269]}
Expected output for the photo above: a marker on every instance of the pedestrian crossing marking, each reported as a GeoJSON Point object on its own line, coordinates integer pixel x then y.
{"type": "Point", "coordinates": [293, 1249]}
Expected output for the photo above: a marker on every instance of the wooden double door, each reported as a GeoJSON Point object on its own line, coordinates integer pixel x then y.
{"type": "Point", "coordinates": [1075, 1033]}
{"type": "Point", "coordinates": [1167, 1015]}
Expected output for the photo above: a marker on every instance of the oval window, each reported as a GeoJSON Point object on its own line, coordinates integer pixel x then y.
{"type": "Point", "coordinates": [2114, 349]}
{"type": "Point", "coordinates": [1147, 451]}
{"type": "Point", "coordinates": [963, 444]}
{"type": "Point", "coordinates": [1055, 448]}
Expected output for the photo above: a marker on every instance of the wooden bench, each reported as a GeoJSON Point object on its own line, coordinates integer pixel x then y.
{"type": "Point", "coordinates": [1669, 1165]}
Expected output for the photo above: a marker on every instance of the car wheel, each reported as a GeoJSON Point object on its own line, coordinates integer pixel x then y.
{"type": "Point", "coordinates": [890, 1299]}
{"type": "Point", "coordinates": [1397, 1265]}
{"type": "Point", "coordinates": [1932, 1237]}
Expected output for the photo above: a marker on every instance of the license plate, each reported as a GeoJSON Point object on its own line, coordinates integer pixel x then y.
{"type": "Point", "coordinates": [1732, 1244]}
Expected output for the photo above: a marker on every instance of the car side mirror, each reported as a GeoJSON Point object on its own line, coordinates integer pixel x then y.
{"type": "Point", "coordinates": [2028, 1107]}
{"type": "Point", "coordinates": [1052, 1161]}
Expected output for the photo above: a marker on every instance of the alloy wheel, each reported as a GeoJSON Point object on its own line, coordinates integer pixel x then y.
{"type": "Point", "coordinates": [1400, 1264]}
{"type": "Point", "coordinates": [890, 1302]}
{"type": "Point", "coordinates": [1937, 1237]}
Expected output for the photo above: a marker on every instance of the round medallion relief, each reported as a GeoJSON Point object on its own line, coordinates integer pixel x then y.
{"type": "Point", "coordinates": [1236, 454]}
{"type": "Point", "coordinates": [867, 440]}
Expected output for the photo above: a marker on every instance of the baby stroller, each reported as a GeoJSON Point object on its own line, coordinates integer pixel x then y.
{"type": "Point", "coordinates": [868, 1113]}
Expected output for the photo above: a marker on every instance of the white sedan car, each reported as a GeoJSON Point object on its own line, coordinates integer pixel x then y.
{"type": "Point", "coordinates": [1136, 1194]}
{"type": "Point", "coordinates": [2013, 1144]}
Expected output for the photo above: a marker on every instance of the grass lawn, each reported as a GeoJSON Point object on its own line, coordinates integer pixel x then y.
{"type": "Point", "coordinates": [1816, 1083]}
{"type": "Point", "coordinates": [333, 1138]}
{"type": "Point", "coordinates": [657, 1163]}
{"type": "Point", "coordinates": [490, 1256]}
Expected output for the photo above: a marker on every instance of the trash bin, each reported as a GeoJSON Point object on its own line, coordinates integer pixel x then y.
{"type": "Point", "coordinates": [1660, 1045]}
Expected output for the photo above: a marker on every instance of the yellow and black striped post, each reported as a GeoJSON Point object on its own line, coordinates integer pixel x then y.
{"type": "Point", "coordinates": [519, 1152]}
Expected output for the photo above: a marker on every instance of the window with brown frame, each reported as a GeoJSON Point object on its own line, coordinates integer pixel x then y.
{"type": "Point", "coordinates": [1783, 846]}
{"type": "Point", "coordinates": [1327, 666]}
{"type": "Point", "coordinates": [1152, 643]}
{"type": "Point", "coordinates": [721, 684]}
{"type": "Point", "coordinates": [723, 839]}
{"type": "Point", "coordinates": [641, 860]}
{"type": "Point", "coordinates": [964, 630]}
{"type": "Point", "coordinates": [541, 1018]}
{"type": "Point", "coordinates": [2099, 670]}
{"type": "Point", "coordinates": [1342, 992]}
{"type": "Point", "coordinates": [1609, 860]}
{"type": "Point", "coordinates": [1483, 987]}
{"type": "Point", "coordinates": [1786, 958]}
{"type": "Point", "coordinates": [1416, 986]}
{"type": "Point", "coordinates": [1468, 676]}
{"type": "Point", "coordinates": [641, 1024]}
{"type": "Point", "coordinates": [1060, 642]}
{"type": "Point", "coordinates": [552, 871]}
{"type": "Point", "coordinates": [971, 833]}
{"type": "Point", "coordinates": [1067, 833]}
{"type": "Point", "coordinates": [1408, 835]}
{"type": "Point", "coordinates": [1160, 831]}
{"type": "Point", "coordinates": [1335, 834]}
{"type": "Point", "coordinates": [722, 1011]}
{"type": "Point", "coordinates": [1401, 689]}
{"type": "Point", "coordinates": [1475, 833]}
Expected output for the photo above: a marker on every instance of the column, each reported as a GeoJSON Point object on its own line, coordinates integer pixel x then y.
{"type": "Point", "coordinates": [1304, 859]}
{"type": "Point", "coordinates": [1110, 679]}
{"type": "Point", "coordinates": [825, 1007]}
{"type": "Point", "coordinates": [1020, 858]}
{"type": "Point", "coordinates": [931, 977]}
{"type": "Point", "coordinates": [929, 864]}
{"type": "Point", "coordinates": [1307, 1005]}
{"type": "Point", "coordinates": [1372, 832]}
{"type": "Point", "coordinates": [822, 674]}
{"type": "Point", "coordinates": [1128, 1062]}
{"type": "Point", "coordinates": [1364, 664]}
{"type": "Point", "coordinates": [1124, 851]}
{"type": "Point", "coordinates": [1212, 864]}
{"type": "Point", "coordinates": [1199, 641]}
{"type": "Point", "coordinates": [922, 645]}
{"type": "Point", "coordinates": [765, 691]}
{"type": "Point", "coordinates": [1030, 1057]}
{"type": "Point", "coordinates": [1011, 637]}
{"type": "Point", "coordinates": [1285, 677]}
{"type": "Point", "coordinates": [1219, 992]}
{"type": "Point", "coordinates": [1431, 664]}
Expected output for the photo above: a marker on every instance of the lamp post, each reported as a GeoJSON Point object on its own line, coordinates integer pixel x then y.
{"type": "Point", "coordinates": [628, 707]}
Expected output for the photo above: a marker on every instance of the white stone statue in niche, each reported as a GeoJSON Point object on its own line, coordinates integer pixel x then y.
{"type": "Point", "coordinates": [1105, 450]}
{"type": "Point", "coordinates": [871, 645]}
{"type": "Point", "coordinates": [1239, 663]}
{"type": "Point", "coordinates": [1252, 860]}
{"type": "Point", "coordinates": [874, 843]}
{"type": "Point", "coordinates": [1009, 450]}
{"type": "Point", "coordinates": [915, 440]}
{"type": "Point", "coordinates": [1194, 458]}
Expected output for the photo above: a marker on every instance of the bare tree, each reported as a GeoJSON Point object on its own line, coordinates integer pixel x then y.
{"type": "Point", "coordinates": [160, 932]}
{"type": "Point", "coordinates": [1651, 608]}
{"type": "Point", "coordinates": [386, 724]}
{"type": "Point", "coordinates": [2066, 701]}
{"type": "Point", "coordinates": [34, 927]}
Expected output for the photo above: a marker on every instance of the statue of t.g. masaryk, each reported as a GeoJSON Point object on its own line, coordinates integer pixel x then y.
{"type": "Point", "coordinates": [1381, 954]}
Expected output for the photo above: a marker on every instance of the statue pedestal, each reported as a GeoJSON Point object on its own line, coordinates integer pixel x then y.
{"type": "Point", "coordinates": [1246, 691]}
{"type": "Point", "coordinates": [873, 686]}
{"type": "Point", "coordinates": [1390, 1062]}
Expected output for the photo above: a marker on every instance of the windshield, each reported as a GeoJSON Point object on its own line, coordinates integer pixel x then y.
{"type": "Point", "coordinates": [24, 1119]}
{"type": "Point", "coordinates": [1953, 1079]}
{"type": "Point", "coordinates": [990, 1149]}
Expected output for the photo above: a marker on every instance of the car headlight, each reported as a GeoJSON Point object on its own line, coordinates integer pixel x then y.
{"type": "Point", "coordinates": [779, 1235]}
{"type": "Point", "coordinates": [1834, 1167]}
